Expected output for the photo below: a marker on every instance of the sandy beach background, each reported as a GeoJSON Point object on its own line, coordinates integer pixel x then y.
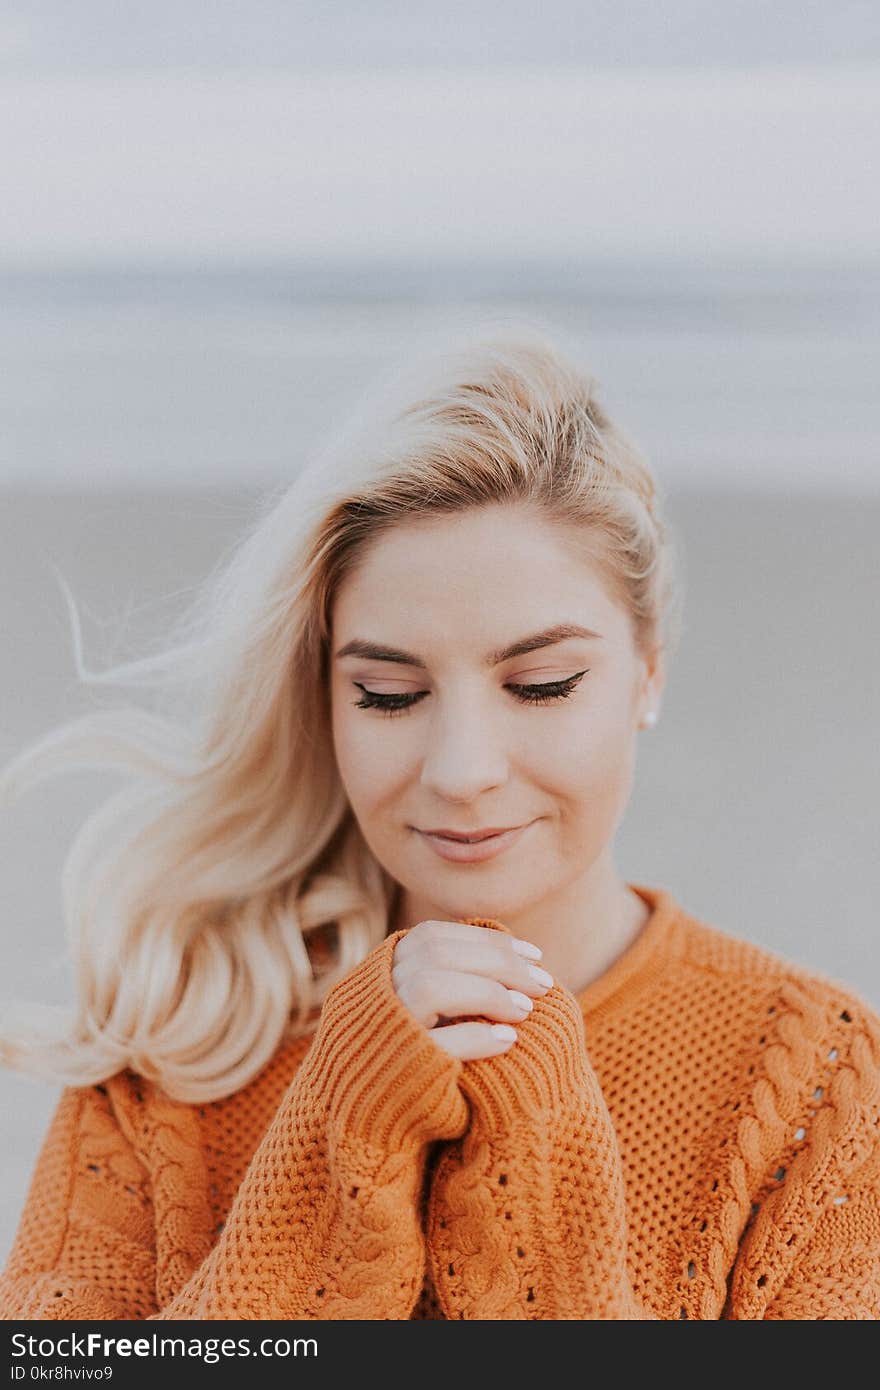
{"type": "Point", "coordinates": [142, 420]}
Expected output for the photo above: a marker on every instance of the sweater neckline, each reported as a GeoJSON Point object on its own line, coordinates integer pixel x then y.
{"type": "Point", "coordinates": [644, 956]}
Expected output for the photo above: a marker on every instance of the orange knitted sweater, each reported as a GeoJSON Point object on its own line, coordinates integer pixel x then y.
{"type": "Point", "coordinates": [696, 1135]}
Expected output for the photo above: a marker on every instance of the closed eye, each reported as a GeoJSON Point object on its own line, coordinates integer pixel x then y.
{"type": "Point", "coordinates": [526, 694]}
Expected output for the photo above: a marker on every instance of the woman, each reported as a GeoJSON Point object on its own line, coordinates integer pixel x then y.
{"type": "Point", "coordinates": [314, 1071]}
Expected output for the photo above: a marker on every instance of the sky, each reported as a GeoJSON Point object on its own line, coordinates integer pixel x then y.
{"type": "Point", "coordinates": [270, 131]}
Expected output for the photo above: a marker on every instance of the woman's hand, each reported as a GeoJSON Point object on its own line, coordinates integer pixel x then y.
{"type": "Point", "coordinates": [446, 970]}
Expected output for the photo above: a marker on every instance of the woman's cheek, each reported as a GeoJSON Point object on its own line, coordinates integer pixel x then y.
{"type": "Point", "coordinates": [598, 772]}
{"type": "Point", "coordinates": [369, 761]}
{"type": "Point", "coordinates": [352, 752]}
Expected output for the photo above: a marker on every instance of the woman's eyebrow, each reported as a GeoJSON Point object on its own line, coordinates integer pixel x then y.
{"type": "Point", "coordinates": [375, 651]}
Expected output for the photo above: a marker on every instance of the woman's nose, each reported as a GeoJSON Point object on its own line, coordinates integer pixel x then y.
{"type": "Point", "coordinates": [463, 756]}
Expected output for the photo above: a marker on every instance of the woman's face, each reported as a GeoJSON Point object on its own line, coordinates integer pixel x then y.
{"type": "Point", "coordinates": [465, 747]}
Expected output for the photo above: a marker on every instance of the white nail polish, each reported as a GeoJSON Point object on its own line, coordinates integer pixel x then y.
{"type": "Point", "coordinates": [503, 1031]}
{"type": "Point", "coordinates": [520, 1001]}
{"type": "Point", "coordinates": [525, 948]}
{"type": "Point", "coordinates": [541, 977]}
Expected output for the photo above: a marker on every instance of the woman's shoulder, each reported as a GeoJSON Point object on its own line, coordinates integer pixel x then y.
{"type": "Point", "coordinates": [138, 1100]}
{"type": "Point", "coordinates": [823, 1005]}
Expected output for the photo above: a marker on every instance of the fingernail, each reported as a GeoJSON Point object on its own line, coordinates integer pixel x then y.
{"type": "Point", "coordinates": [540, 977]}
{"type": "Point", "coordinates": [520, 1001]}
{"type": "Point", "coordinates": [525, 948]}
{"type": "Point", "coordinates": [503, 1031]}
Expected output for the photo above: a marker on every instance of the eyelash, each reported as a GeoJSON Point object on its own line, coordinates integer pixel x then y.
{"type": "Point", "coordinates": [526, 694]}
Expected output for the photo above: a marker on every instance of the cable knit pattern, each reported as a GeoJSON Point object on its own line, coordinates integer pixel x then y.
{"type": "Point", "coordinates": [695, 1135]}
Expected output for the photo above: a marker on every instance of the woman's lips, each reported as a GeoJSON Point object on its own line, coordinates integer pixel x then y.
{"type": "Point", "coordinates": [461, 852]}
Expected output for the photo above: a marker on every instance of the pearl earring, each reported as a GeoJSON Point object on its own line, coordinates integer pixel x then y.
{"type": "Point", "coordinates": [650, 719]}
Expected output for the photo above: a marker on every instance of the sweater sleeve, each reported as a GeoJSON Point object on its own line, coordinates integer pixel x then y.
{"type": "Point", "coordinates": [526, 1215]}
{"type": "Point", "coordinates": [816, 1257]}
{"type": "Point", "coordinates": [326, 1223]}
{"type": "Point", "coordinates": [84, 1247]}
{"type": "Point", "coordinates": [837, 1274]}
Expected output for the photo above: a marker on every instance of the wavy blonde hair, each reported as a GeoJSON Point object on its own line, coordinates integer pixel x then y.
{"type": "Point", "coordinates": [211, 904]}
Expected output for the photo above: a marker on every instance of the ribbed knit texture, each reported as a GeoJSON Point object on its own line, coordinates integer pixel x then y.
{"type": "Point", "coordinates": [696, 1135]}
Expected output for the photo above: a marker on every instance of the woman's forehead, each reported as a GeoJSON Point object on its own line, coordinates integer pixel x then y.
{"type": "Point", "coordinates": [456, 551]}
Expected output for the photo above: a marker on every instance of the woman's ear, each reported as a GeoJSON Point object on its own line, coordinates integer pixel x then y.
{"type": "Point", "coordinates": [651, 684]}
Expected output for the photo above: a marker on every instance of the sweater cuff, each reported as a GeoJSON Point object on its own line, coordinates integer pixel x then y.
{"type": "Point", "coordinates": [547, 1067]}
{"type": "Point", "coordinates": [381, 1074]}
{"type": "Point", "coordinates": [546, 1071]}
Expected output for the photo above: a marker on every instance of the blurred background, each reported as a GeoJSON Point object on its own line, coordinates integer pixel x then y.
{"type": "Point", "coordinates": [221, 220]}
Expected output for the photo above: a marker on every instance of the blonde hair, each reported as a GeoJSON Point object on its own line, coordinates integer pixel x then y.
{"type": "Point", "coordinates": [211, 904]}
